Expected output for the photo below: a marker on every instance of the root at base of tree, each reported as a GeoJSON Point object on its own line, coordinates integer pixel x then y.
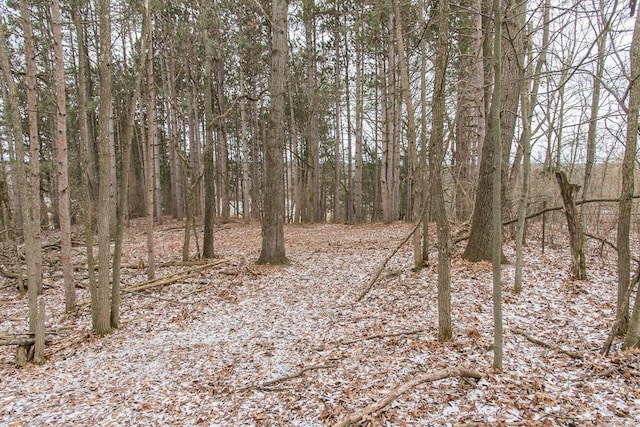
{"type": "Point", "coordinates": [403, 388]}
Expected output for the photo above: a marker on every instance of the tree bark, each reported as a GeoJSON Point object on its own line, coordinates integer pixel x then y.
{"type": "Point", "coordinates": [528, 104]}
{"type": "Point", "coordinates": [576, 236]}
{"type": "Point", "coordinates": [273, 248]}
{"type": "Point", "coordinates": [150, 161]}
{"type": "Point", "coordinates": [62, 161]}
{"type": "Point", "coordinates": [413, 184]}
{"type": "Point", "coordinates": [31, 200]}
{"type": "Point", "coordinates": [632, 327]}
{"type": "Point", "coordinates": [103, 316]}
{"type": "Point", "coordinates": [470, 114]}
{"type": "Point", "coordinates": [126, 143]}
{"type": "Point", "coordinates": [496, 209]}
{"type": "Point", "coordinates": [208, 161]}
{"type": "Point", "coordinates": [436, 156]}
{"type": "Point", "coordinates": [85, 174]}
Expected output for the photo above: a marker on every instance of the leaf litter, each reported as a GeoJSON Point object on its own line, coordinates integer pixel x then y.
{"type": "Point", "coordinates": [242, 344]}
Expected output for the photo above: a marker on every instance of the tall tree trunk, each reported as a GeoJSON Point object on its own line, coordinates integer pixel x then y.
{"type": "Point", "coordinates": [31, 200]}
{"type": "Point", "coordinates": [244, 141]}
{"type": "Point", "coordinates": [528, 104]}
{"type": "Point", "coordinates": [496, 220]}
{"type": "Point", "coordinates": [312, 210]}
{"type": "Point", "coordinates": [626, 200]}
{"type": "Point", "coordinates": [208, 167]}
{"type": "Point", "coordinates": [470, 115]}
{"type": "Point", "coordinates": [222, 149]}
{"type": "Point", "coordinates": [125, 168]}
{"type": "Point", "coordinates": [595, 104]}
{"type": "Point", "coordinates": [349, 173]}
{"type": "Point", "coordinates": [413, 184]}
{"type": "Point", "coordinates": [337, 129]}
{"type": "Point", "coordinates": [85, 174]}
{"type": "Point", "coordinates": [103, 321]}
{"type": "Point", "coordinates": [62, 161]}
{"type": "Point", "coordinates": [390, 143]}
{"type": "Point", "coordinates": [423, 140]}
{"type": "Point", "coordinates": [436, 156]}
{"type": "Point", "coordinates": [357, 190]}
{"type": "Point", "coordinates": [20, 177]}
{"type": "Point", "coordinates": [480, 244]}
{"type": "Point", "coordinates": [150, 161]}
{"type": "Point", "coordinates": [273, 249]}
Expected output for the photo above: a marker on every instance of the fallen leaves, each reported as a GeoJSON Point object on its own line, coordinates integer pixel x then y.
{"type": "Point", "coordinates": [262, 345]}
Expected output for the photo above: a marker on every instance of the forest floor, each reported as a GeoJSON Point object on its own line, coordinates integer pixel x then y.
{"type": "Point", "coordinates": [241, 344]}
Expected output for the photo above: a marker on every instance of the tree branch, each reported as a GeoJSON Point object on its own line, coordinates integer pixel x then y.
{"type": "Point", "coordinates": [403, 388]}
{"type": "Point", "coordinates": [541, 343]}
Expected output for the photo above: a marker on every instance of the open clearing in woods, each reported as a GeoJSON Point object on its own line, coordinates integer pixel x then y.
{"type": "Point", "coordinates": [240, 344]}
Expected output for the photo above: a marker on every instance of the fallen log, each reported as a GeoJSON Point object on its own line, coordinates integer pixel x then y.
{"type": "Point", "coordinates": [403, 388]}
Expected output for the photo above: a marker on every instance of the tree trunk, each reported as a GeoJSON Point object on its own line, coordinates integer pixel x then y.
{"type": "Point", "coordinates": [19, 172]}
{"type": "Point", "coordinates": [595, 104]}
{"type": "Point", "coordinates": [103, 321]}
{"type": "Point", "coordinates": [496, 222]}
{"type": "Point", "coordinates": [357, 180]}
{"type": "Point", "coordinates": [33, 249]}
{"type": "Point", "coordinates": [528, 104]}
{"type": "Point", "coordinates": [436, 156]}
{"type": "Point", "coordinates": [150, 161]}
{"type": "Point", "coordinates": [208, 167]}
{"type": "Point", "coordinates": [244, 141]}
{"type": "Point", "coordinates": [126, 143]}
{"type": "Point", "coordinates": [337, 129]}
{"type": "Point", "coordinates": [470, 114]}
{"type": "Point", "coordinates": [85, 176]}
{"type": "Point", "coordinates": [390, 143]}
{"type": "Point", "coordinates": [576, 236]}
{"type": "Point", "coordinates": [62, 161]}
{"type": "Point", "coordinates": [413, 184]}
{"type": "Point", "coordinates": [273, 249]}
{"type": "Point", "coordinates": [480, 244]}
{"type": "Point", "coordinates": [626, 197]}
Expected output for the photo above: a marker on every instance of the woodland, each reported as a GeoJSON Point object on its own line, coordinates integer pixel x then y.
{"type": "Point", "coordinates": [302, 212]}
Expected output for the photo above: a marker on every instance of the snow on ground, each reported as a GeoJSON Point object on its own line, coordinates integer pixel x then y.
{"type": "Point", "coordinates": [218, 347]}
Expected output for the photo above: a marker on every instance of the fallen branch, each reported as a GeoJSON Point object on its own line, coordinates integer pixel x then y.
{"type": "Point", "coordinates": [166, 280]}
{"type": "Point", "coordinates": [541, 343]}
{"type": "Point", "coordinates": [381, 336]}
{"type": "Point", "coordinates": [268, 384]}
{"type": "Point", "coordinates": [172, 278]}
{"type": "Point", "coordinates": [375, 277]}
{"type": "Point", "coordinates": [403, 388]}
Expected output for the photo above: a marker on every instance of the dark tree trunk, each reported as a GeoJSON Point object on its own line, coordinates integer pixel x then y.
{"type": "Point", "coordinates": [576, 236]}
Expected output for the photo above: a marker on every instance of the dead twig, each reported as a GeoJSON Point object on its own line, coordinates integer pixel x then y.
{"type": "Point", "coordinates": [267, 385]}
{"type": "Point", "coordinates": [544, 344]}
{"type": "Point", "coordinates": [378, 272]}
{"type": "Point", "coordinates": [403, 388]}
